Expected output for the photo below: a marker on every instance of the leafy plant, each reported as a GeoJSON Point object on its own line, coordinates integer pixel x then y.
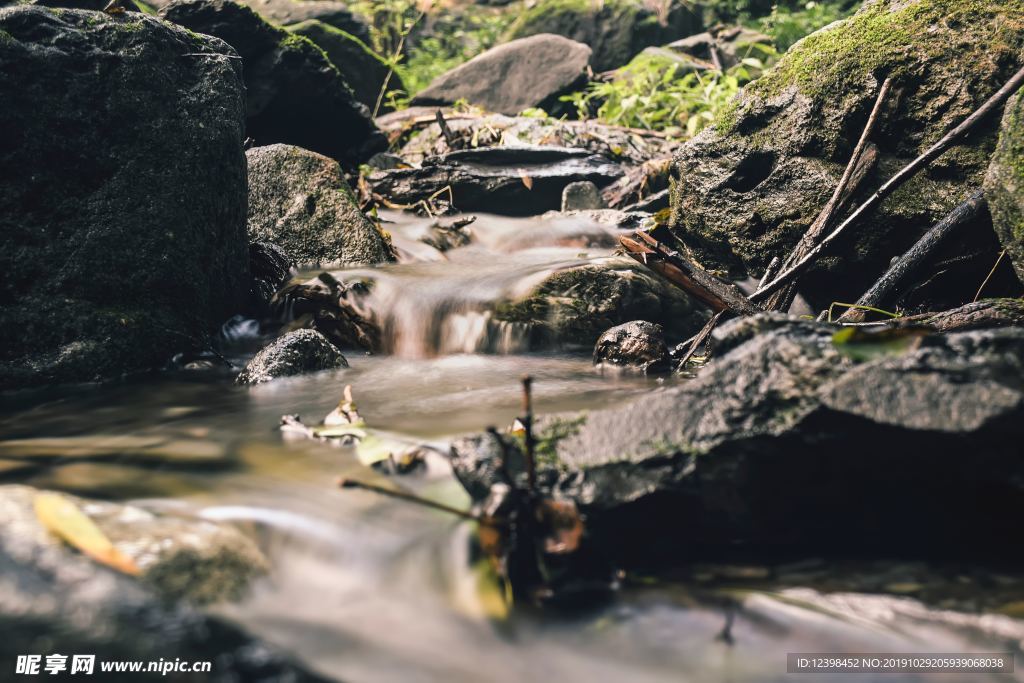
{"type": "Point", "coordinates": [787, 25]}
{"type": "Point", "coordinates": [658, 92]}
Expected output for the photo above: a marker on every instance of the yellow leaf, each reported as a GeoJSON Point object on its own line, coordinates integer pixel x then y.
{"type": "Point", "coordinates": [63, 518]}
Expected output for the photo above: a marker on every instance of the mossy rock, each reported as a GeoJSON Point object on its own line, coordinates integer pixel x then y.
{"type": "Point", "coordinates": [363, 69]}
{"type": "Point", "coordinates": [574, 306]}
{"type": "Point", "coordinates": [122, 210]}
{"type": "Point", "coordinates": [1004, 184]}
{"type": "Point", "coordinates": [748, 189]}
{"type": "Point", "coordinates": [616, 30]}
{"type": "Point", "coordinates": [294, 94]}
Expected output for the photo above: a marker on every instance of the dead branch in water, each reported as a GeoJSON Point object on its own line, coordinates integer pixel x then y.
{"type": "Point", "coordinates": [860, 163]}
{"type": "Point", "coordinates": [893, 283]}
{"type": "Point", "coordinates": [701, 337]}
{"type": "Point", "coordinates": [412, 498]}
{"type": "Point", "coordinates": [788, 275]}
{"type": "Point", "coordinates": [718, 294]}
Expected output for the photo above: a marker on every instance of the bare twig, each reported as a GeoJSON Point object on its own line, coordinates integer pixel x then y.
{"type": "Point", "coordinates": [789, 274]}
{"type": "Point", "coordinates": [783, 298]}
{"type": "Point", "coordinates": [700, 338]}
{"type": "Point", "coordinates": [411, 498]}
{"type": "Point", "coordinates": [891, 285]}
{"type": "Point", "coordinates": [990, 273]}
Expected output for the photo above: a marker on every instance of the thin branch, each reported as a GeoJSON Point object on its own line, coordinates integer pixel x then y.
{"type": "Point", "coordinates": [908, 171]}
{"type": "Point", "coordinates": [411, 498]}
{"type": "Point", "coordinates": [527, 420]}
{"type": "Point", "coordinates": [700, 338]}
{"type": "Point", "coordinates": [783, 299]}
{"type": "Point", "coordinates": [990, 273]}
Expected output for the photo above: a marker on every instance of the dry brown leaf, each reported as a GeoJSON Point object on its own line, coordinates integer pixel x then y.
{"type": "Point", "coordinates": [527, 180]}
{"type": "Point", "coordinates": [63, 518]}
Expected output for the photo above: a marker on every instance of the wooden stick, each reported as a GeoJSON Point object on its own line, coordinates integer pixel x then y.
{"type": "Point", "coordinates": [717, 294]}
{"type": "Point", "coordinates": [893, 283]}
{"type": "Point", "coordinates": [700, 338]}
{"type": "Point", "coordinates": [449, 137]}
{"type": "Point", "coordinates": [783, 299]}
{"type": "Point", "coordinates": [411, 498]}
{"type": "Point", "coordinates": [527, 420]}
{"type": "Point", "coordinates": [890, 186]}
{"type": "Point", "coordinates": [988, 277]}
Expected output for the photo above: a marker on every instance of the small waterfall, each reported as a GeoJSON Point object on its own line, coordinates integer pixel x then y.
{"type": "Point", "coordinates": [438, 303]}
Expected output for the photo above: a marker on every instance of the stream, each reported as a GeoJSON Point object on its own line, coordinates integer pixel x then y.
{"type": "Point", "coordinates": [366, 588]}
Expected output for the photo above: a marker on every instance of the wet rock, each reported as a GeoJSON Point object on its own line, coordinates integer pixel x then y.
{"type": "Point", "coordinates": [789, 440]}
{"type": "Point", "coordinates": [363, 70]}
{"type": "Point", "coordinates": [730, 45]}
{"type": "Point", "coordinates": [294, 94]}
{"type": "Point", "coordinates": [616, 30]}
{"type": "Point", "coordinates": [271, 269]}
{"type": "Point", "coordinates": [514, 181]}
{"type": "Point", "coordinates": [627, 147]}
{"type": "Point", "coordinates": [179, 558]}
{"type": "Point", "coordinates": [581, 196]}
{"type": "Point", "coordinates": [334, 308]}
{"type": "Point", "coordinates": [300, 201]}
{"type": "Point", "coordinates": [51, 593]}
{"type": "Point", "coordinates": [1004, 184]}
{"type": "Point", "coordinates": [514, 76]}
{"type": "Point", "coordinates": [115, 259]}
{"type": "Point", "coordinates": [575, 305]}
{"type": "Point", "coordinates": [750, 187]}
{"type": "Point", "coordinates": [638, 344]}
{"type": "Point", "coordinates": [294, 353]}
{"type": "Point", "coordinates": [447, 235]}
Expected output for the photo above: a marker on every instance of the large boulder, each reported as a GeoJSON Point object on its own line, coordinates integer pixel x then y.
{"type": "Point", "coordinates": [616, 30]}
{"type": "Point", "coordinates": [293, 92]}
{"type": "Point", "coordinates": [802, 437]}
{"type": "Point", "coordinates": [515, 181]}
{"type": "Point", "coordinates": [575, 305]}
{"type": "Point", "coordinates": [292, 354]}
{"type": "Point", "coordinates": [1004, 184]}
{"type": "Point", "coordinates": [748, 189]}
{"type": "Point", "coordinates": [299, 200]}
{"type": "Point", "coordinates": [525, 73]}
{"type": "Point", "coordinates": [284, 12]}
{"type": "Point", "coordinates": [363, 69]}
{"type": "Point", "coordinates": [122, 208]}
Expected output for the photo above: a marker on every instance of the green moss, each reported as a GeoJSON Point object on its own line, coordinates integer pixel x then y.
{"type": "Point", "coordinates": [553, 432]}
{"type": "Point", "coordinates": [833, 62]}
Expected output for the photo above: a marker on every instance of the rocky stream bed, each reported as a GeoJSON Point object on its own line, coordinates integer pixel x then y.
{"type": "Point", "coordinates": [235, 273]}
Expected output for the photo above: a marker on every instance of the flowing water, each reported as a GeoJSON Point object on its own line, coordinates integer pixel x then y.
{"type": "Point", "coordinates": [365, 588]}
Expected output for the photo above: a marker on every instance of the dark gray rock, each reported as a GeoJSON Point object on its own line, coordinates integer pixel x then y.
{"type": "Point", "coordinates": [797, 440]}
{"type": "Point", "coordinates": [582, 195]}
{"type": "Point", "coordinates": [514, 76]}
{"type": "Point", "coordinates": [638, 345]}
{"type": "Point", "coordinates": [271, 269]}
{"type": "Point", "coordinates": [51, 594]}
{"type": "Point", "coordinates": [294, 94]}
{"type": "Point", "coordinates": [284, 12]}
{"type": "Point", "coordinates": [363, 70]}
{"type": "Point", "coordinates": [123, 200]}
{"type": "Point", "coordinates": [294, 353]}
{"type": "Point", "coordinates": [616, 30]}
{"type": "Point", "coordinates": [1004, 184]}
{"type": "Point", "coordinates": [731, 45]}
{"type": "Point", "coordinates": [515, 181]}
{"type": "Point", "coordinates": [749, 188]}
{"type": "Point", "coordinates": [300, 201]}
{"type": "Point", "coordinates": [575, 305]}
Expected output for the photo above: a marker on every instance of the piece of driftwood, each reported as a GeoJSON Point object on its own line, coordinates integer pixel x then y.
{"type": "Point", "coordinates": [894, 282]}
{"type": "Point", "coordinates": [449, 137]}
{"type": "Point", "coordinates": [789, 274]}
{"type": "Point", "coordinates": [717, 294]}
{"type": "Point", "coordinates": [855, 172]}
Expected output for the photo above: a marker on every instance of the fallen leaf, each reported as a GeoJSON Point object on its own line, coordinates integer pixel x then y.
{"type": "Point", "coordinates": [63, 518]}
